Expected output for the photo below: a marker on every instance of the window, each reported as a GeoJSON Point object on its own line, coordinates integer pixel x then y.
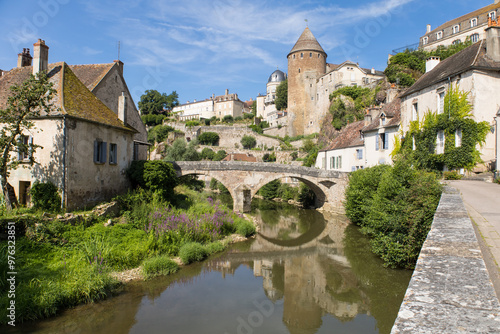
{"type": "Point", "coordinates": [492, 15]}
{"type": "Point", "coordinates": [293, 56]}
{"type": "Point", "coordinates": [473, 23]}
{"type": "Point", "coordinates": [456, 29]}
{"type": "Point", "coordinates": [382, 120]}
{"type": "Point", "coordinates": [113, 154]}
{"type": "Point", "coordinates": [301, 55]}
{"type": "Point", "coordinates": [299, 70]}
{"type": "Point", "coordinates": [24, 147]}
{"type": "Point", "coordinates": [323, 163]}
{"type": "Point", "coordinates": [310, 54]}
{"type": "Point", "coordinates": [100, 152]}
{"type": "Point", "coordinates": [456, 42]}
{"type": "Point", "coordinates": [382, 141]}
{"type": "Point", "coordinates": [359, 154]}
{"type": "Point", "coordinates": [440, 102]}
{"type": "Point", "coordinates": [332, 162]}
{"type": "Point", "coordinates": [136, 152]}
{"type": "Point", "coordinates": [414, 112]}
{"type": "Point", "coordinates": [474, 38]}
{"type": "Point", "coordinates": [458, 138]}
{"type": "Point", "coordinates": [439, 35]}
{"type": "Point", "coordinates": [340, 162]}
{"type": "Point", "coordinates": [425, 40]}
{"type": "Point", "coordinates": [440, 142]}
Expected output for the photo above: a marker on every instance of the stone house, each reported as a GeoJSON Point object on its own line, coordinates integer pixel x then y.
{"type": "Point", "coordinates": [475, 70]}
{"type": "Point", "coordinates": [469, 26]}
{"type": "Point", "coordinates": [363, 143]}
{"type": "Point", "coordinates": [266, 107]}
{"type": "Point", "coordinates": [311, 80]}
{"type": "Point", "coordinates": [87, 140]}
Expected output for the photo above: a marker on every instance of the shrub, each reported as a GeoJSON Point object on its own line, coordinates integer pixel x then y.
{"type": "Point", "coordinates": [135, 173]}
{"type": "Point", "coordinates": [213, 184]}
{"type": "Point", "coordinates": [207, 154]}
{"type": "Point", "coordinates": [207, 122]}
{"type": "Point", "coordinates": [221, 154]}
{"type": "Point", "coordinates": [244, 227]}
{"type": "Point", "coordinates": [158, 265]}
{"type": "Point", "coordinates": [306, 196]}
{"type": "Point", "coordinates": [159, 133]}
{"type": "Point", "coordinates": [228, 119]}
{"type": "Point", "coordinates": [192, 123]}
{"type": "Point", "coordinates": [151, 119]}
{"type": "Point", "coordinates": [269, 157]}
{"type": "Point", "coordinates": [160, 178]}
{"type": "Point", "coordinates": [248, 116]}
{"type": "Point", "coordinates": [208, 138]}
{"type": "Point", "coordinates": [239, 118]}
{"type": "Point", "coordinates": [452, 175]}
{"type": "Point", "coordinates": [192, 252]}
{"type": "Point", "coordinates": [248, 142]}
{"type": "Point", "coordinates": [214, 247]}
{"type": "Point", "coordinates": [45, 196]}
{"type": "Point", "coordinates": [270, 190]}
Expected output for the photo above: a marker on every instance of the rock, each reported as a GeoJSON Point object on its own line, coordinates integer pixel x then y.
{"type": "Point", "coordinates": [111, 209]}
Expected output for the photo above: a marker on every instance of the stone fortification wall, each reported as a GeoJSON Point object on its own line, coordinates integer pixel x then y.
{"type": "Point", "coordinates": [450, 290]}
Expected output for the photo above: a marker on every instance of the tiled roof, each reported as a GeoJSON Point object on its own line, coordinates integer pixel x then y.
{"type": "Point", "coordinates": [91, 74]}
{"type": "Point", "coordinates": [349, 136]}
{"type": "Point", "coordinates": [393, 116]}
{"type": "Point", "coordinates": [307, 42]}
{"type": "Point", "coordinates": [462, 18]}
{"type": "Point", "coordinates": [472, 57]}
{"type": "Point", "coordinates": [73, 98]}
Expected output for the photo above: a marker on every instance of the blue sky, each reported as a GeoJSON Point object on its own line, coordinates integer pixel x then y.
{"type": "Point", "coordinates": [201, 47]}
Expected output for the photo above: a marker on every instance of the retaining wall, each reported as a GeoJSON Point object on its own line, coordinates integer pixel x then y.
{"type": "Point", "coordinates": [450, 290]}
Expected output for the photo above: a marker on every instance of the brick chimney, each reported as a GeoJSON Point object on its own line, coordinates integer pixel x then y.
{"type": "Point", "coordinates": [368, 117]}
{"type": "Point", "coordinates": [120, 65]}
{"type": "Point", "coordinates": [122, 108]}
{"type": "Point", "coordinates": [24, 58]}
{"type": "Point", "coordinates": [493, 40]}
{"type": "Point", "coordinates": [429, 27]}
{"type": "Point", "coordinates": [431, 62]}
{"type": "Point", "coordinates": [41, 56]}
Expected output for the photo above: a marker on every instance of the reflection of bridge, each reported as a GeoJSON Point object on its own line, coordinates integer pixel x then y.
{"type": "Point", "coordinates": [244, 179]}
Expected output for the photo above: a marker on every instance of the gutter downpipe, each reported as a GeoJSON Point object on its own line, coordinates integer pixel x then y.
{"type": "Point", "coordinates": [63, 202]}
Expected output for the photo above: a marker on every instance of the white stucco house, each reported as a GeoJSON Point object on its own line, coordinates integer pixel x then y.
{"type": "Point", "coordinates": [87, 140]}
{"type": "Point", "coordinates": [475, 70]}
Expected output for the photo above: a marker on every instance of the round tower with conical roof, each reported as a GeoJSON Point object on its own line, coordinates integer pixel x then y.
{"type": "Point", "coordinates": [306, 63]}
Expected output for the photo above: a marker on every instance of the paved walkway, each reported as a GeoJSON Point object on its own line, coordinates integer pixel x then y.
{"type": "Point", "coordinates": [482, 201]}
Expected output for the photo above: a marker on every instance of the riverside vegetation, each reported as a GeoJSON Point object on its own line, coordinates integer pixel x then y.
{"type": "Point", "coordinates": [60, 265]}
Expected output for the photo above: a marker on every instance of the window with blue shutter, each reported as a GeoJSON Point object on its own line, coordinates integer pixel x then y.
{"type": "Point", "coordinates": [376, 142]}
{"type": "Point", "coordinates": [386, 141]}
{"type": "Point", "coordinates": [113, 154]}
{"type": "Point", "coordinates": [100, 152]}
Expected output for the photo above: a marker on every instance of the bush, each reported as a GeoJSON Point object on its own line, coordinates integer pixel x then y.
{"type": "Point", "coordinates": [221, 154]}
{"type": "Point", "coordinates": [135, 173]}
{"type": "Point", "coordinates": [270, 190]}
{"type": "Point", "coordinates": [244, 227]}
{"type": "Point", "coordinates": [159, 133]}
{"type": "Point", "coordinates": [269, 157]}
{"type": "Point", "coordinates": [208, 138]}
{"type": "Point", "coordinates": [45, 196]}
{"type": "Point", "coordinates": [192, 123]}
{"type": "Point", "coordinates": [248, 116]}
{"type": "Point", "coordinates": [238, 119]}
{"type": "Point", "coordinates": [207, 154]}
{"type": "Point", "coordinates": [192, 252]}
{"type": "Point", "coordinates": [248, 142]}
{"type": "Point", "coordinates": [452, 175]}
{"type": "Point", "coordinates": [158, 265]}
{"type": "Point", "coordinates": [160, 178]}
{"type": "Point", "coordinates": [207, 122]}
{"type": "Point", "coordinates": [214, 247]}
{"type": "Point", "coordinates": [151, 119]}
{"type": "Point", "coordinates": [228, 119]}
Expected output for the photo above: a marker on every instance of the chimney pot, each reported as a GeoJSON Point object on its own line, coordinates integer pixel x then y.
{"type": "Point", "coordinates": [24, 58]}
{"type": "Point", "coordinates": [428, 28]}
{"type": "Point", "coordinates": [431, 62]}
{"type": "Point", "coordinates": [40, 56]}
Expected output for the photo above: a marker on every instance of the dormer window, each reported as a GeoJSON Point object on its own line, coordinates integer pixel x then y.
{"type": "Point", "coordinates": [439, 35]}
{"type": "Point", "coordinates": [492, 15]}
{"type": "Point", "coordinates": [456, 29]}
{"type": "Point", "coordinates": [473, 23]}
{"type": "Point", "coordinates": [425, 40]}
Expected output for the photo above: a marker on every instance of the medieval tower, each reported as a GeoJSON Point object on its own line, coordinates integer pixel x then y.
{"type": "Point", "coordinates": [306, 64]}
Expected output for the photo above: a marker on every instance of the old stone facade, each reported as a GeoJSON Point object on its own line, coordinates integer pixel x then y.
{"type": "Point", "coordinates": [311, 80]}
{"type": "Point", "coordinates": [86, 146]}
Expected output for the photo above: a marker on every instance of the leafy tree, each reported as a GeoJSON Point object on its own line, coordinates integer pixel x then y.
{"type": "Point", "coordinates": [45, 196]}
{"type": "Point", "coordinates": [154, 102]}
{"type": "Point", "coordinates": [181, 151]}
{"type": "Point", "coordinates": [282, 95]}
{"type": "Point", "coordinates": [151, 120]}
{"type": "Point", "coordinates": [248, 142]}
{"type": "Point", "coordinates": [192, 123]}
{"type": "Point", "coordinates": [208, 138]}
{"type": "Point", "coordinates": [270, 190]}
{"type": "Point", "coordinates": [160, 178]}
{"type": "Point", "coordinates": [254, 108]}
{"type": "Point", "coordinates": [221, 154]}
{"type": "Point", "coordinates": [269, 157]}
{"type": "Point", "coordinates": [159, 133]}
{"type": "Point", "coordinates": [250, 115]}
{"type": "Point", "coordinates": [207, 154]}
{"type": "Point", "coordinates": [25, 103]}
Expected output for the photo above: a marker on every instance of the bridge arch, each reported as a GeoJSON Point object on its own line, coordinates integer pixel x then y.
{"type": "Point", "coordinates": [244, 179]}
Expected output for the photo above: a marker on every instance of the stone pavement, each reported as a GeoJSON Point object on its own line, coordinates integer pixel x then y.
{"type": "Point", "coordinates": [482, 201]}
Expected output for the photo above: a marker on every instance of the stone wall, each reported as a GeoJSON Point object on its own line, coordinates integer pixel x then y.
{"type": "Point", "coordinates": [450, 290]}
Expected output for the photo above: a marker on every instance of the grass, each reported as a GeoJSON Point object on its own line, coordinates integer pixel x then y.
{"type": "Point", "coordinates": [61, 265]}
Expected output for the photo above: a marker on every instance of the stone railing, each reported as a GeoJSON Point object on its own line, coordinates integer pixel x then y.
{"type": "Point", "coordinates": [450, 290]}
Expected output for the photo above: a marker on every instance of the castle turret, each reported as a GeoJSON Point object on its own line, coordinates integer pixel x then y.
{"type": "Point", "coordinates": [306, 63]}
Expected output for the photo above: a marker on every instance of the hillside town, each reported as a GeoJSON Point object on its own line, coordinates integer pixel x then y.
{"type": "Point", "coordinates": [338, 190]}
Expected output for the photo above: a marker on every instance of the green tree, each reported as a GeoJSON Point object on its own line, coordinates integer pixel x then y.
{"type": "Point", "coordinates": [208, 138]}
{"type": "Point", "coordinates": [181, 151]}
{"type": "Point", "coordinates": [154, 102]}
{"type": "Point", "coordinates": [248, 142]}
{"type": "Point", "coordinates": [282, 95]}
{"type": "Point", "coordinates": [25, 104]}
{"type": "Point", "coordinates": [159, 133]}
{"type": "Point", "coordinates": [160, 178]}
{"type": "Point", "coordinates": [221, 154]}
{"type": "Point", "coordinates": [207, 154]}
{"type": "Point", "coordinates": [269, 157]}
{"type": "Point", "coordinates": [270, 190]}
{"type": "Point", "coordinates": [254, 108]}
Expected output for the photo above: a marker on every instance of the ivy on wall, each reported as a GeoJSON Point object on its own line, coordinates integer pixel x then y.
{"type": "Point", "coordinates": [419, 144]}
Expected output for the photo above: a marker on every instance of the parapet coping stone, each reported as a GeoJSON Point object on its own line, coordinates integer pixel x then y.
{"type": "Point", "coordinates": [450, 290]}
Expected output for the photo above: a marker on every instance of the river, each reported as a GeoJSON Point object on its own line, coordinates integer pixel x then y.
{"type": "Point", "coordinates": [305, 272]}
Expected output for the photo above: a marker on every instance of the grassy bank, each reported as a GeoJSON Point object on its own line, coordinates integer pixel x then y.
{"type": "Point", "coordinates": [61, 265]}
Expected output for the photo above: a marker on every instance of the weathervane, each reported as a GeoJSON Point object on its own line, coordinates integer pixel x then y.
{"type": "Point", "coordinates": [118, 50]}
{"type": "Point", "coordinates": [307, 24]}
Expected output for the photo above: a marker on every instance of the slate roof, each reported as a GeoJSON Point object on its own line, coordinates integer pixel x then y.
{"type": "Point", "coordinates": [473, 57]}
{"type": "Point", "coordinates": [334, 67]}
{"type": "Point", "coordinates": [349, 136]}
{"type": "Point", "coordinates": [307, 42]}
{"type": "Point", "coordinates": [73, 98]}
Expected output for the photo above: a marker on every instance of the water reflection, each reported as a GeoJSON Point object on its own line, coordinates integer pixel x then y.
{"type": "Point", "coordinates": [303, 273]}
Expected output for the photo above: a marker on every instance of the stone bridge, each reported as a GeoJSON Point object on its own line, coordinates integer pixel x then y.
{"type": "Point", "coordinates": [244, 179]}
